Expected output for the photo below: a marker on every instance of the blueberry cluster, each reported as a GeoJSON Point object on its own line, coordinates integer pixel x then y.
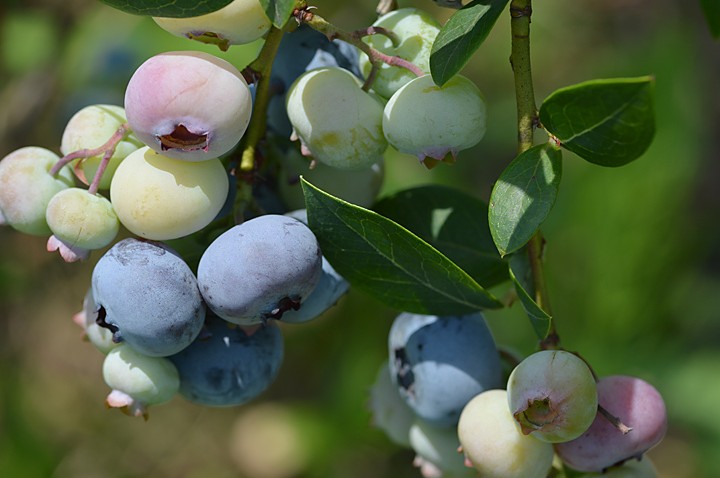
{"type": "Point", "coordinates": [221, 253]}
{"type": "Point", "coordinates": [442, 392]}
{"type": "Point", "coordinates": [191, 303]}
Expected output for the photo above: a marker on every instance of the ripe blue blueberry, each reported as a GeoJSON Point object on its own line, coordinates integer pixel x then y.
{"type": "Point", "coordinates": [440, 363]}
{"type": "Point", "coordinates": [228, 365]}
{"type": "Point", "coordinates": [148, 297]}
{"type": "Point", "coordinates": [260, 269]}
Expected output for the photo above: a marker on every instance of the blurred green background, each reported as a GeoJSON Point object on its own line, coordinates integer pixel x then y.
{"type": "Point", "coordinates": [632, 256]}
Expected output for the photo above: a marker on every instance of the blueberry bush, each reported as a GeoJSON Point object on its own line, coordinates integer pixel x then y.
{"type": "Point", "coordinates": [322, 238]}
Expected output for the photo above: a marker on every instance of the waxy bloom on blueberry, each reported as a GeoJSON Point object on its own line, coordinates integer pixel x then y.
{"type": "Point", "coordinates": [431, 121]}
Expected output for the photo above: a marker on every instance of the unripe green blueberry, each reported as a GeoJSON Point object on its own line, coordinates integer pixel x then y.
{"type": "Point", "coordinates": [188, 105]}
{"type": "Point", "coordinates": [437, 450]}
{"type": "Point", "coordinates": [138, 381]}
{"type": "Point", "coordinates": [81, 219]}
{"type": "Point", "coordinates": [26, 187]}
{"type": "Point", "coordinates": [427, 120]}
{"type": "Point", "coordinates": [90, 128]}
{"type": "Point", "coordinates": [336, 121]}
{"type": "Point", "coordinates": [416, 31]}
{"type": "Point", "coordinates": [638, 405]}
{"type": "Point", "coordinates": [239, 22]}
{"type": "Point", "coordinates": [389, 411]}
{"type": "Point", "coordinates": [493, 443]}
{"type": "Point", "coordinates": [553, 396]}
{"type": "Point", "coordinates": [161, 198]}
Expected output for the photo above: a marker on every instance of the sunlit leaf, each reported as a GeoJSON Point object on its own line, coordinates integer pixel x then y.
{"type": "Point", "coordinates": [606, 122]}
{"type": "Point", "coordinates": [523, 196]}
{"type": "Point", "coordinates": [463, 33]}
{"type": "Point", "coordinates": [389, 262]}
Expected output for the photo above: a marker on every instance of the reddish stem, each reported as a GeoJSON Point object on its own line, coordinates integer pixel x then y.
{"type": "Point", "coordinates": [108, 147]}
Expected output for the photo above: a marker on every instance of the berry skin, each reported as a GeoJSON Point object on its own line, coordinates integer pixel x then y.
{"type": "Point", "coordinates": [148, 297]}
{"type": "Point", "coordinates": [138, 381]}
{"type": "Point", "coordinates": [161, 198]}
{"type": "Point", "coordinates": [553, 396]}
{"type": "Point", "coordinates": [90, 128]}
{"type": "Point", "coordinates": [259, 269]}
{"type": "Point", "coordinates": [302, 50]}
{"type": "Point", "coordinates": [430, 121]}
{"type": "Point", "coordinates": [416, 30]}
{"type": "Point", "coordinates": [227, 365]}
{"type": "Point", "coordinates": [336, 121]}
{"type": "Point", "coordinates": [26, 188]}
{"type": "Point", "coordinates": [188, 105]}
{"type": "Point", "coordinates": [239, 22]}
{"type": "Point", "coordinates": [81, 219]}
{"type": "Point", "coordinates": [494, 444]}
{"type": "Point", "coordinates": [440, 363]}
{"type": "Point", "coordinates": [390, 413]}
{"type": "Point", "coordinates": [638, 405]}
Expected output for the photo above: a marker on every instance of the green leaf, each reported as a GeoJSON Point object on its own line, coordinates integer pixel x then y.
{"type": "Point", "coordinates": [521, 275]}
{"type": "Point", "coordinates": [168, 8]}
{"type": "Point", "coordinates": [463, 33]}
{"type": "Point", "coordinates": [711, 8]}
{"type": "Point", "coordinates": [452, 222]}
{"type": "Point", "coordinates": [278, 11]}
{"type": "Point", "coordinates": [389, 262]}
{"type": "Point", "coordinates": [606, 122]}
{"type": "Point", "coordinates": [523, 196]}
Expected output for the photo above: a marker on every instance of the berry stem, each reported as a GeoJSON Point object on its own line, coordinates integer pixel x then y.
{"type": "Point", "coordinates": [106, 149]}
{"type": "Point", "coordinates": [527, 114]}
{"type": "Point", "coordinates": [615, 421]}
{"type": "Point", "coordinates": [373, 30]}
{"type": "Point", "coordinates": [262, 66]}
{"type": "Point", "coordinates": [355, 38]}
{"type": "Point", "coordinates": [95, 185]}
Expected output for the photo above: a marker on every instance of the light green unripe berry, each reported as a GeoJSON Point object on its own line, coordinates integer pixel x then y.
{"type": "Point", "coordinates": [138, 381]}
{"type": "Point", "coordinates": [90, 128]}
{"type": "Point", "coordinates": [240, 22]}
{"type": "Point", "coordinates": [389, 411]}
{"type": "Point", "coordinates": [494, 444]}
{"type": "Point", "coordinates": [81, 219]}
{"type": "Point", "coordinates": [26, 187]}
{"type": "Point", "coordinates": [416, 31]}
{"type": "Point", "coordinates": [427, 120]}
{"type": "Point", "coordinates": [161, 198]}
{"type": "Point", "coordinates": [553, 396]}
{"type": "Point", "coordinates": [438, 446]}
{"type": "Point", "coordinates": [336, 121]}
